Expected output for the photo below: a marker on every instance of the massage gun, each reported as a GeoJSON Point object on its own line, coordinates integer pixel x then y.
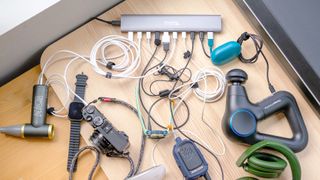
{"type": "Point", "coordinates": [38, 126]}
{"type": "Point", "coordinates": [241, 115]}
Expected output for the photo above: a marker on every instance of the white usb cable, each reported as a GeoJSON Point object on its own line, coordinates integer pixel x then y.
{"type": "Point", "coordinates": [131, 58]}
{"type": "Point", "coordinates": [203, 94]}
{"type": "Point", "coordinates": [148, 37]}
{"type": "Point", "coordinates": [184, 37]}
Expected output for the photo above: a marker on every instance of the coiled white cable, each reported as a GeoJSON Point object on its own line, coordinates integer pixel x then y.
{"type": "Point", "coordinates": [210, 95]}
{"type": "Point", "coordinates": [53, 59]}
{"type": "Point", "coordinates": [130, 61]}
{"type": "Point", "coordinates": [205, 95]}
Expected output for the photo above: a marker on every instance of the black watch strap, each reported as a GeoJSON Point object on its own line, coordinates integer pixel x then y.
{"type": "Point", "coordinates": [80, 86]}
{"type": "Point", "coordinates": [75, 117]}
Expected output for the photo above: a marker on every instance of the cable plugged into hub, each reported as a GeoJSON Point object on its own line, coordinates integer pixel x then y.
{"type": "Point", "coordinates": [166, 41]}
{"type": "Point", "coordinates": [157, 40]}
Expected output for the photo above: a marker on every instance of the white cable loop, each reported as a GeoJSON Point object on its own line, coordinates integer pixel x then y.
{"type": "Point", "coordinates": [206, 95]}
{"type": "Point", "coordinates": [58, 79]}
{"type": "Point", "coordinates": [131, 55]}
{"type": "Point", "coordinates": [214, 94]}
{"type": "Point", "coordinates": [52, 59]}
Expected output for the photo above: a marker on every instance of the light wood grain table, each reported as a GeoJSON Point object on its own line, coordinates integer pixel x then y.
{"type": "Point", "coordinates": [36, 159]}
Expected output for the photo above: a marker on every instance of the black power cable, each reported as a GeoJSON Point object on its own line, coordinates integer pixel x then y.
{"type": "Point", "coordinates": [258, 43]}
{"type": "Point", "coordinates": [172, 74]}
{"type": "Point", "coordinates": [187, 56]}
{"type": "Point", "coordinates": [201, 37]}
{"type": "Point", "coordinates": [112, 22]}
{"type": "Point", "coordinates": [141, 80]}
{"type": "Point", "coordinates": [145, 71]}
{"type": "Point", "coordinates": [141, 86]}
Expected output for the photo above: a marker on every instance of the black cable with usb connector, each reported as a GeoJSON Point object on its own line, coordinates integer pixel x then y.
{"type": "Point", "coordinates": [157, 40]}
{"type": "Point", "coordinates": [112, 22]}
{"type": "Point", "coordinates": [201, 37]}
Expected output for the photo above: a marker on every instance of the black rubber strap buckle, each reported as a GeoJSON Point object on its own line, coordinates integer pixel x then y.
{"type": "Point", "coordinates": [75, 117]}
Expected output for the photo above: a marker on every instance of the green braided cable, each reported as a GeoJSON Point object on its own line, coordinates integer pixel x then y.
{"type": "Point", "coordinates": [139, 110]}
{"type": "Point", "coordinates": [267, 165]}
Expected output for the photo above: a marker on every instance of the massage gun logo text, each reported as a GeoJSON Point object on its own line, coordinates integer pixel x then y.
{"type": "Point", "coordinates": [272, 104]}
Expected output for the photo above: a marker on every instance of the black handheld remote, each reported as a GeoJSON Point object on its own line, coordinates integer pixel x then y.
{"type": "Point", "coordinates": [190, 160]}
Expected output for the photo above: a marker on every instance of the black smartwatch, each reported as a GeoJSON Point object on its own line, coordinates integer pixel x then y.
{"type": "Point", "coordinates": [75, 117]}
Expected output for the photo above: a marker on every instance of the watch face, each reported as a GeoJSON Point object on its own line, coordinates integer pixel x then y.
{"type": "Point", "coordinates": [75, 110]}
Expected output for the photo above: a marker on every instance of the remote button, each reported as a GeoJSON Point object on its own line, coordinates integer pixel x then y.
{"type": "Point", "coordinates": [97, 121]}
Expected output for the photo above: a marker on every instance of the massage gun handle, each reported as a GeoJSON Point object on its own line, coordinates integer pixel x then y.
{"type": "Point", "coordinates": [283, 101]}
{"type": "Point", "coordinates": [39, 105]}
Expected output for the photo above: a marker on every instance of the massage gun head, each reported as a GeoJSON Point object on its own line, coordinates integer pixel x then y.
{"type": "Point", "coordinates": [237, 76]}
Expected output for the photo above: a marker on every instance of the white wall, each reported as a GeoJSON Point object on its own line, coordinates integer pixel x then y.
{"type": "Point", "coordinates": [15, 12]}
{"type": "Point", "coordinates": [21, 47]}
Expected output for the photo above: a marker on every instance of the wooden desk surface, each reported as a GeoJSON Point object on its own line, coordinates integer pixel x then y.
{"type": "Point", "coordinates": [81, 41]}
{"type": "Point", "coordinates": [26, 159]}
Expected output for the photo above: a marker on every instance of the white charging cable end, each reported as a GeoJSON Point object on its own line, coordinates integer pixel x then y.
{"type": "Point", "coordinates": [130, 36]}
{"type": "Point", "coordinates": [175, 35]}
{"type": "Point", "coordinates": [210, 35]}
{"type": "Point", "coordinates": [166, 37]}
{"type": "Point", "coordinates": [184, 35]}
{"type": "Point", "coordinates": [139, 35]}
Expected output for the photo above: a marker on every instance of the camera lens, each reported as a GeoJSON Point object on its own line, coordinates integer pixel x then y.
{"type": "Point", "coordinates": [98, 140]}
